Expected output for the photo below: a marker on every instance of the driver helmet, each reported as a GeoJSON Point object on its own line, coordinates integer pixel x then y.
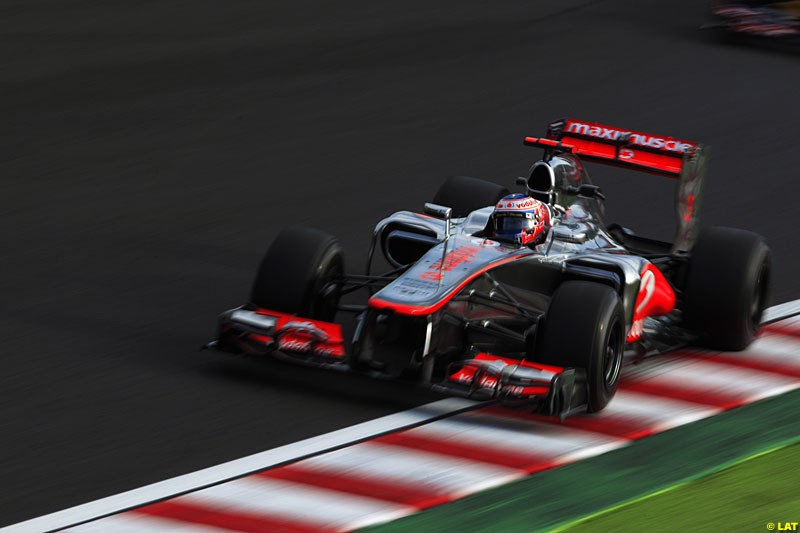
{"type": "Point", "coordinates": [520, 219]}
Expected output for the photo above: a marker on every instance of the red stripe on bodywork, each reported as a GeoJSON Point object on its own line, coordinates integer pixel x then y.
{"type": "Point", "coordinates": [415, 310]}
{"type": "Point", "coordinates": [526, 462]}
{"type": "Point", "coordinates": [390, 491]}
{"type": "Point", "coordinates": [231, 520]}
{"type": "Point", "coordinates": [262, 339]}
{"type": "Point", "coordinates": [656, 297]}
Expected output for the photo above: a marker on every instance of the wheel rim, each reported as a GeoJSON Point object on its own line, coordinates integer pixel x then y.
{"type": "Point", "coordinates": [612, 356]}
{"type": "Point", "coordinates": [327, 293]}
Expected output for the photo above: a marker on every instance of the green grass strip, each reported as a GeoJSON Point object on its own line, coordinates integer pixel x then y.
{"type": "Point", "coordinates": [563, 495]}
{"type": "Point", "coordinates": [748, 495]}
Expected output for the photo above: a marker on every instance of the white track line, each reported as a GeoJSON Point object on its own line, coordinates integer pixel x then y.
{"type": "Point", "coordinates": [780, 311]}
{"type": "Point", "coordinates": [133, 523]}
{"type": "Point", "coordinates": [239, 467]}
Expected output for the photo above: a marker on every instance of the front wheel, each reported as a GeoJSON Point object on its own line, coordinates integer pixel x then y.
{"type": "Point", "coordinates": [584, 327]}
{"type": "Point", "coordinates": [298, 274]}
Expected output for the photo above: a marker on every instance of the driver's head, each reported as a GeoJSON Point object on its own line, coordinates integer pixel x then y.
{"type": "Point", "coordinates": [520, 219]}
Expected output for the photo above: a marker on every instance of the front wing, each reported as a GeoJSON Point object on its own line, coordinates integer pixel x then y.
{"type": "Point", "coordinates": [546, 389]}
{"type": "Point", "coordinates": [262, 332]}
{"type": "Point", "coordinates": [550, 389]}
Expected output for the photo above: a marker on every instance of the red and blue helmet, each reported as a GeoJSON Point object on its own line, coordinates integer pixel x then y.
{"type": "Point", "coordinates": [520, 219]}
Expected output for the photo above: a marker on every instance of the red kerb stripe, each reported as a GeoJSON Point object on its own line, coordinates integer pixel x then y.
{"type": "Point", "coordinates": [527, 462]}
{"type": "Point", "coordinates": [232, 520]}
{"type": "Point", "coordinates": [613, 426]}
{"type": "Point", "coordinates": [721, 399]}
{"type": "Point", "coordinates": [782, 329]}
{"type": "Point", "coordinates": [359, 485]}
{"type": "Point", "coordinates": [604, 424]}
{"type": "Point", "coordinates": [744, 361]}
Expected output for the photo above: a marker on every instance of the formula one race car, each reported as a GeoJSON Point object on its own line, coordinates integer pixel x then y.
{"type": "Point", "coordinates": [770, 20]}
{"type": "Point", "coordinates": [543, 324]}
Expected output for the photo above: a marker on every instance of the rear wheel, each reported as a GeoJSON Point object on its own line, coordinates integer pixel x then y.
{"type": "Point", "coordinates": [464, 194]}
{"type": "Point", "coordinates": [727, 287]}
{"type": "Point", "coordinates": [585, 328]}
{"type": "Point", "coordinates": [296, 274]}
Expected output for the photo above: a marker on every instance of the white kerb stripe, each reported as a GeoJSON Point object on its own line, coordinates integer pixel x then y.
{"type": "Point", "coordinates": [697, 374]}
{"type": "Point", "coordinates": [654, 412]}
{"type": "Point", "coordinates": [437, 473]}
{"type": "Point", "coordinates": [780, 349]}
{"type": "Point", "coordinates": [296, 502]}
{"type": "Point", "coordinates": [540, 440]}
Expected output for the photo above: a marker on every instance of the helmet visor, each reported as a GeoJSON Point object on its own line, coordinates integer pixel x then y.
{"type": "Point", "coordinates": [512, 223]}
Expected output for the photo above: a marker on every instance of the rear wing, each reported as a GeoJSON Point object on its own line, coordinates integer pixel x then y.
{"type": "Point", "coordinates": [664, 156]}
{"type": "Point", "coordinates": [625, 148]}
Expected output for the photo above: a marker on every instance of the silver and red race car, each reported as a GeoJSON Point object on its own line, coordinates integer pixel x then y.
{"type": "Point", "coordinates": [545, 326]}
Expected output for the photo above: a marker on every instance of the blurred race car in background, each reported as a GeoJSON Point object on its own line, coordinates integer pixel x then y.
{"type": "Point", "coordinates": [777, 21]}
{"type": "Point", "coordinates": [545, 326]}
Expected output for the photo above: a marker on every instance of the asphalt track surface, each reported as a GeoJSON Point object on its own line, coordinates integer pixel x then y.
{"type": "Point", "coordinates": [151, 150]}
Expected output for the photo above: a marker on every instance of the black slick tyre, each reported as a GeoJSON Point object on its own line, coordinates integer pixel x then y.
{"type": "Point", "coordinates": [584, 327]}
{"type": "Point", "coordinates": [464, 194]}
{"type": "Point", "coordinates": [727, 287]}
{"type": "Point", "coordinates": [295, 274]}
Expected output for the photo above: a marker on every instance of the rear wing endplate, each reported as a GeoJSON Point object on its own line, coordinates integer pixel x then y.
{"type": "Point", "coordinates": [664, 156]}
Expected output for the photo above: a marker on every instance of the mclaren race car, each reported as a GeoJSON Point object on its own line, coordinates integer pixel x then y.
{"type": "Point", "coordinates": [545, 324]}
